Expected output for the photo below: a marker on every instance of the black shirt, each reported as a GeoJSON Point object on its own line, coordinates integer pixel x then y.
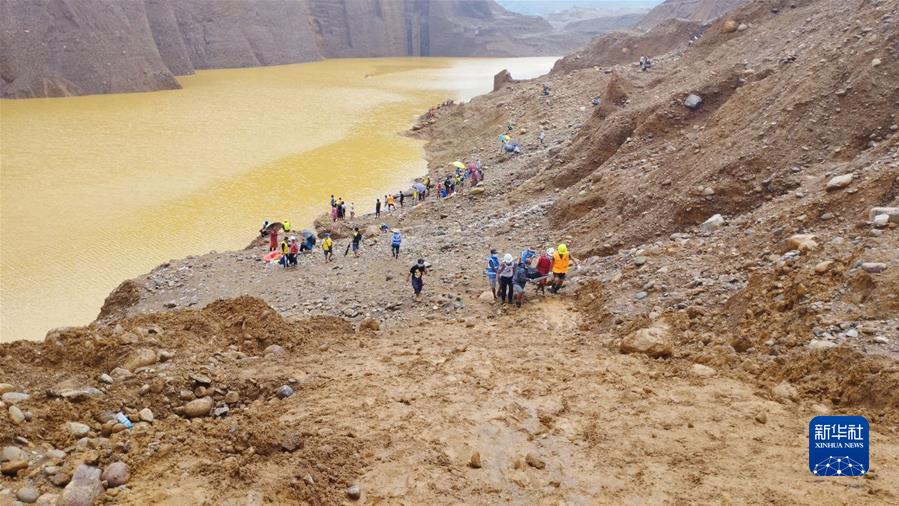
{"type": "Point", "coordinates": [418, 271]}
{"type": "Point", "coordinates": [357, 237]}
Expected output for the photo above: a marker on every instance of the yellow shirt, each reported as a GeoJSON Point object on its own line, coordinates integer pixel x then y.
{"type": "Point", "coordinates": [560, 263]}
{"type": "Point", "coordinates": [327, 243]}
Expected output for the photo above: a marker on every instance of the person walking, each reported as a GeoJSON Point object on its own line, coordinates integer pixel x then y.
{"type": "Point", "coordinates": [492, 268]}
{"type": "Point", "coordinates": [390, 203]}
{"type": "Point", "coordinates": [402, 199]}
{"type": "Point", "coordinates": [561, 261]}
{"type": "Point", "coordinates": [378, 208]}
{"type": "Point", "coordinates": [544, 266]}
{"type": "Point", "coordinates": [357, 241]}
{"type": "Point", "coordinates": [504, 274]}
{"type": "Point", "coordinates": [416, 275]}
{"type": "Point", "coordinates": [328, 248]}
{"type": "Point", "coordinates": [395, 242]}
{"type": "Point", "coordinates": [352, 210]}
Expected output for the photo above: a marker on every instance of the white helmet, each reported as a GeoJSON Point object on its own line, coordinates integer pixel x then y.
{"type": "Point", "coordinates": [508, 258]}
{"type": "Point", "coordinates": [550, 252]}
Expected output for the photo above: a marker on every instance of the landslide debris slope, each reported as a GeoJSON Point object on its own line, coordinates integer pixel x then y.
{"type": "Point", "coordinates": [682, 363]}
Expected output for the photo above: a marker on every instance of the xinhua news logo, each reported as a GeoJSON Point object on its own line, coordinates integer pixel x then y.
{"type": "Point", "coordinates": [838, 446]}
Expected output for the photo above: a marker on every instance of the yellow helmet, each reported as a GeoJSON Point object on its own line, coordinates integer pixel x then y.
{"type": "Point", "coordinates": [562, 249]}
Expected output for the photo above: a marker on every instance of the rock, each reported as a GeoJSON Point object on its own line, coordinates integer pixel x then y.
{"type": "Point", "coordinates": [761, 417]}
{"type": "Point", "coordinates": [15, 397]}
{"type": "Point", "coordinates": [370, 324]}
{"type": "Point", "coordinates": [198, 407]}
{"type": "Point", "coordinates": [70, 391]}
{"type": "Point", "coordinates": [640, 260]}
{"type": "Point", "coordinates": [12, 467]}
{"type": "Point", "coordinates": [802, 242]}
{"type": "Point", "coordinates": [105, 378]}
{"type": "Point", "coordinates": [16, 415]}
{"type": "Point", "coordinates": [641, 295]}
{"type": "Point", "coordinates": [875, 62]}
{"type": "Point", "coordinates": [823, 267]}
{"type": "Point", "coordinates": [284, 391]}
{"type": "Point", "coordinates": [77, 429]}
{"type": "Point", "coordinates": [713, 223]}
{"type": "Point", "coordinates": [891, 212]}
{"type": "Point", "coordinates": [84, 489]}
{"type": "Point", "coordinates": [12, 453]}
{"type": "Point", "coordinates": [653, 341]}
{"type": "Point", "coordinates": [60, 479]}
{"type": "Point", "coordinates": [534, 460]}
{"type": "Point", "coordinates": [27, 494]}
{"type": "Point", "coordinates": [693, 101]}
{"type": "Point", "coordinates": [6, 387]}
{"type": "Point", "coordinates": [475, 460]}
{"type": "Point", "coordinates": [486, 296]}
{"type": "Point", "coordinates": [141, 357]}
{"type": "Point", "coordinates": [874, 267]}
{"type": "Point", "coordinates": [478, 190]}
{"type": "Point", "coordinates": [785, 391]}
{"type": "Point", "coordinates": [146, 415]}
{"type": "Point", "coordinates": [116, 474]}
{"type": "Point", "coordinates": [703, 370]}
{"type": "Point", "coordinates": [838, 182]}
{"type": "Point", "coordinates": [729, 26]}
{"type": "Point", "coordinates": [820, 345]}
{"type": "Point", "coordinates": [47, 499]}
{"type": "Point", "coordinates": [354, 492]}
{"type": "Point", "coordinates": [881, 220]}
{"type": "Point", "coordinates": [742, 27]}
{"type": "Point", "coordinates": [273, 349]}
{"type": "Point", "coordinates": [165, 356]}
{"type": "Point", "coordinates": [200, 379]}
{"type": "Point", "coordinates": [120, 373]}
{"type": "Point", "coordinates": [820, 409]}
{"type": "Point", "coordinates": [232, 397]}
{"type": "Point", "coordinates": [882, 340]}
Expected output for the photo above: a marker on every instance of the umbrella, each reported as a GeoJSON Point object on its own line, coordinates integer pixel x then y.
{"type": "Point", "coordinates": [459, 164]}
{"type": "Point", "coordinates": [420, 187]}
{"type": "Point", "coordinates": [308, 233]}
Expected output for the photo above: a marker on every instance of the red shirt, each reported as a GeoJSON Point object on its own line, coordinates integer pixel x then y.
{"type": "Point", "coordinates": [274, 240]}
{"type": "Point", "coordinates": [544, 264]}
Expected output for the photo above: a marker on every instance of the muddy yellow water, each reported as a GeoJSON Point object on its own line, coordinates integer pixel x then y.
{"type": "Point", "coordinates": [95, 190]}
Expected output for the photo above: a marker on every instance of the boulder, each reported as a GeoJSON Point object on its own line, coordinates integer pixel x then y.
{"type": "Point", "coordinates": [839, 182]}
{"type": "Point", "coordinates": [729, 26]}
{"type": "Point", "coordinates": [486, 296]}
{"type": "Point", "coordinates": [891, 212]}
{"type": "Point", "coordinates": [116, 474]}
{"type": "Point", "coordinates": [141, 357]}
{"type": "Point", "coordinates": [84, 488]}
{"type": "Point", "coordinates": [198, 407]}
{"type": "Point", "coordinates": [713, 223]}
{"type": "Point", "coordinates": [653, 341]}
{"type": "Point", "coordinates": [693, 101]}
{"type": "Point", "coordinates": [16, 415]}
{"type": "Point", "coordinates": [786, 391]}
{"type": "Point", "coordinates": [802, 243]}
{"type": "Point", "coordinates": [881, 220]}
{"type": "Point", "coordinates": [14, 397]}
{"type": "Point", "coordinates": [874, 267]}
{"type": "Point", "coordinates": [821, 345]}
{"type": "Point", "coordinates": [702, 370]}
{"type": "Point", "coordinates": [77, 429]}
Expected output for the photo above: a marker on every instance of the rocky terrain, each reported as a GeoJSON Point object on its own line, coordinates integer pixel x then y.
{"type": "Point", "coordinates": [699, 11]}
{"type": "Point", "coordinates": [735, 211]}
{"type": "Point", "coordinates": [77, 47]}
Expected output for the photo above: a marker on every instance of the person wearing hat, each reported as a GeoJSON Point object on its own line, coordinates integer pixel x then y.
{"type": "Point", "coordinates": [505, 273]}
{"type": "Point", "coordinates": [561, 261]}
{"type": "Point", "coordinates": [292, 252]}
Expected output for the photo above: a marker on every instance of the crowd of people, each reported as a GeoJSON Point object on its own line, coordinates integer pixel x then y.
{"type": "Point", "coordinates": [509, 277]}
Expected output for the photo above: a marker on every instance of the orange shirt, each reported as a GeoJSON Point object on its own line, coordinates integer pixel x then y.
{"type": "Point", "coordinates": [560, 263]}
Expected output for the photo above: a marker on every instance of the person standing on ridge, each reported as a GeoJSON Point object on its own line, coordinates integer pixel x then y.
{"type": "Point", "coordinates": [352, 210]}
{"type": "Point", "coordinates": [378, 208]}
{"type": "Point", "coordinates": [395, 242]}
{"type": "Point", "coordinates": [492, 268]}
{"type": "Point", "coordinates": [357, 241]}
{"type": "Point", "coordinates": [416, 274]}
{"type": "Point", "coordinates": [273, 240]}
{"type": "Point", "coordinates": [561, 261]}
{"type": "Point", "coordinates": [293, 252]}
{"type": "Point", "coordinates": [390, 203]}
{"type": "Point", "coordinates": [402, 198]}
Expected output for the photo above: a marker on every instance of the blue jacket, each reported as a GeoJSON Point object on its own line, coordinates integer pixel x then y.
{"type": "Point", "coordinates": [397, 239]}
{"type": "Point", "coordinates": [492, 266]}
